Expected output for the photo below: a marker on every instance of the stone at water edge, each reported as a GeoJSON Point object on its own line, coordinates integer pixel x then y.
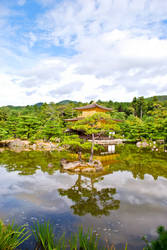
{"type": "Point", "coordinates": [98, 165]}
{"type": "Point", "coordinates": [87, 169]}
{"type": "Point", "coordinates": [143, 144]}
{"type": "Point", "coordinates": [18, 143]}
{"type": "Point", "coordinates": [69, 165]}
{"type": "Point", "coordinates": [80, 166]}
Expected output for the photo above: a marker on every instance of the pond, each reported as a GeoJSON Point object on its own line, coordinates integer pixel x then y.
{"type": "Point", "coordinates": [125, 202]}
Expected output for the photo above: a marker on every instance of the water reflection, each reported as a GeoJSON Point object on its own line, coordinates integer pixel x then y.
{"type": "Point", "coordinates": [122, 204]}
{"type": "Point", "coordinates": [111, 149]}
{"type": "Point", "coordinates": [140, 161]}
{"type": "Point", "coordinates": [88, 199]}
{"type": "Point", "coordinates": [27, 163]}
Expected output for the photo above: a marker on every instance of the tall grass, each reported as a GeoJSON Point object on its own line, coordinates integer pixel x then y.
{"type": "Point", "coordinates": [12, 236]}
{"type": "Point", "coordinates": [83, 240]}
{"type": "Point", "coordinates": [45, 238]}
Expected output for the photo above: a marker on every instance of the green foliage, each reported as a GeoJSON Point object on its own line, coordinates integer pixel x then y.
{"type": "Point", "coordinates": [160, 98]}
{"type": "Point", "coordinates": [97, 123]}
{"type": "Point", "coordinates": [3, 133]}
{"type": "Point", "coordinates": [76, 144]}
{"type": "Point", "coordinates": [28, 125]}
{"type": "Point", "coordinates": [52, 128]}
{"type": "Point", "coordinates": [12, 236]}
{"type": "Point", "coordinates": [142, 118]}
{"type": "Point", "coordinates": [160, 243]}
{"type": "Point", "coordinates": [45, 238]}
{"type": "Point", "coordinates": [87, 240]}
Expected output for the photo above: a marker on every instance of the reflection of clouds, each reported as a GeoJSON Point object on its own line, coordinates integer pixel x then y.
{"type": "Point", "coordinates": [47, 201]}
{"type": "Point", "coordinates": [137, 191]}
{"type": "Point", "coordinates": [39, 189]}
{"type": "Point", "coordinates": [130, 221]}
{"type": "Point", "coordinates": [142, 207]}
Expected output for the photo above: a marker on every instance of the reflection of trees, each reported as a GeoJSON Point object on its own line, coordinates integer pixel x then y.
{"type": "Point", "coordinates": [27, 163]}
{"type": "Point", "coordinates": [141, 161]}
{"type": "Point", "coordinates": [87, 199]}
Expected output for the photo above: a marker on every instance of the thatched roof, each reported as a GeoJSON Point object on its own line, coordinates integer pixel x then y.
{"type": "Point", "coordinates": [92, 106]}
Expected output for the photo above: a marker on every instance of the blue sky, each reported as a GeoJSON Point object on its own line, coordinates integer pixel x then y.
{"type": "Point", "coordinates": [82, 50]}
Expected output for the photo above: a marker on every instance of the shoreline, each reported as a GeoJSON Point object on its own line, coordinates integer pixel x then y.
{"type": "Point", "coordinates": [25, 145]}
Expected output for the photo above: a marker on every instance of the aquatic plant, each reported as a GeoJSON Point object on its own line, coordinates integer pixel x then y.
{"type": "Point", "coordinates": [12, 236]}
{"type": "Point", "coordinates": [46, 240]}
{"type": "Point", "coordinates": [87, 240]}
{"type": "Point", "coordinates": [45, 237]}
{"type": "Point", "coordinates": [160, 243]}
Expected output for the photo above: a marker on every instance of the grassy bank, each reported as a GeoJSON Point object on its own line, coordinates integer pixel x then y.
{"type": "Point", "coordinates": [12, 237]}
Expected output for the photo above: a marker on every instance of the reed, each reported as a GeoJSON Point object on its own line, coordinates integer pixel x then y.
{"type": "Point", "coordinates": [12, 236]}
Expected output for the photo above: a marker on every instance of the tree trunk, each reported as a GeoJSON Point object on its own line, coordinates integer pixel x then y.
{"type": "Point", "coordinates": [141, 112]}
{"type": "Point", "coordinates": [79, 156]}
{"type": "Point", "coordinates": [92, 148]}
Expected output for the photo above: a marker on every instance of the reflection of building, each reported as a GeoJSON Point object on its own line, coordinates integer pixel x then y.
{"type": "Point", "coordinates": [89, 110]}
{"type": "Point", "coordinates": [111, 149]}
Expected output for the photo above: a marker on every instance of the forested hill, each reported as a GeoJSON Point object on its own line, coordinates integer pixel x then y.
{"type": "Point", "coordinates": [160, 98]}
{"type": "Point", "coordinates": [66, 102]}
{"type": "Point", "coordinates": [110, 103]}
{"type": "Point", "coordinates": [142, 118]}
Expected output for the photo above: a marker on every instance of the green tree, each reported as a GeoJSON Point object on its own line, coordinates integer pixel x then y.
{"type": "Point", "coordinates": [52, 128]}
{"type": "Point", "coordinates": [99, 123]}
{"type": "Point", "coordinates": [3, 133]}
{"type": "Point", "coordinates": [27, 126]}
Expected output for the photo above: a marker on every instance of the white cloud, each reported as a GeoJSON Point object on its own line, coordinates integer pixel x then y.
{"type": "Point", "coordinates": [120, 46]}
{"type": "Point", "coordinates": [21, 2]}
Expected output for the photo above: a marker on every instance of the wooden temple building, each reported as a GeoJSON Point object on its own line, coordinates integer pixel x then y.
{"type": "Point", "coordinates": [86, 111]}
{"type": "Point", "coordinates": [89, 110]}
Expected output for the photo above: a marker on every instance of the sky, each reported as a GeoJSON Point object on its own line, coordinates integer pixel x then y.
{"type": "Point", "coordinates": [82, 50]}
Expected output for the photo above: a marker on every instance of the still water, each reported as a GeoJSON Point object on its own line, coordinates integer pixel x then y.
{"type": "Point", "coordinates": [125, 202]}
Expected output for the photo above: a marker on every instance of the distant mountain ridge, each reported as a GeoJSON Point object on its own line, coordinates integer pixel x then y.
{"type": "Point", "coordinates": [66, 102]}
{"type": "Point", "coordinates": [160, 98]}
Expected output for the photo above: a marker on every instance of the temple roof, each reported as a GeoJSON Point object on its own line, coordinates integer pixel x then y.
{"type": "Point", "coordinates": [93, 105]}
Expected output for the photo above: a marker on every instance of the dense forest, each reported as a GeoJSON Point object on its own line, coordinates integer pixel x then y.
{"type": "Point", "coordinates": [143, 118]}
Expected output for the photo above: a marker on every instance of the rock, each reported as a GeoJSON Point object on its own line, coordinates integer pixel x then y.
{"type": "Point", "coordinates": [98, 165]}
{"type": "Point", "coordinates": [87, 169]}
{"type": "Point", "coordinates": [34, 146]}
{"type": "Point", "coordinates": [69, 165]}
{"type": "Point", "coordinates": [18, 143]}
{"type": "Point", "coordinates": [80, 166]}
{"type": "Point", "coordinates": [77, 170]}
{"type": "Point", "coordinates": [143, 144]}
